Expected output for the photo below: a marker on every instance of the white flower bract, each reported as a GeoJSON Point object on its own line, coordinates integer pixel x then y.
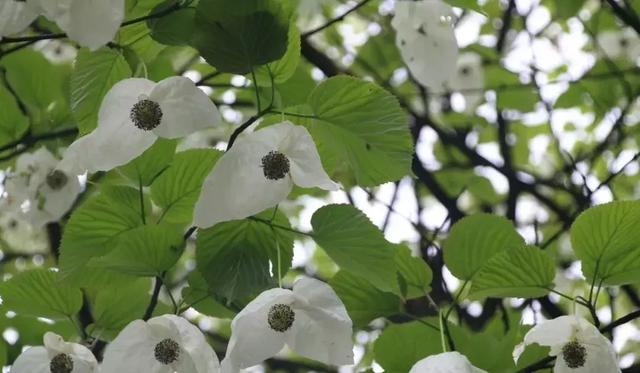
{"type": "Point", "coordinates": [426, 40]}
{"type": "Point", "coordinates": [320, 330]}
{"type": "Point", "coordinates": [116, 141]}
{"type": "Point", "coordinates": [136, 349]}
{"type": "Point", "coordinates": [35, 192]}
{"type": "Point", "coordinates": [620, 44]}
{"type": "Point", "coordinates": [39, 359]}
{"type": "Point", "coordinates": [15, 16]}
{"type": "Point", "coordinates": [468, 80]}
{"type": "Point", "coordinates": [598, 354]}
{"type": "Point", "coordinates": [237, 186]}
{"type": "Point", "coordinates": [446, 362]}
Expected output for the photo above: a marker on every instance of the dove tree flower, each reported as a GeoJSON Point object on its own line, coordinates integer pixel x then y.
{"type": "Point", "coordinates": [261, 168]}
{"type": "Point", "coordinates": [36, 191]}
{"type": "Point", "coordinates": [576, 343]}
{"type": "Point", "coordinates": [426, 40]}
{"type": "Point", "coordinates": [91, 23]}
{"type": "Point", "coordinates": [133, 114]}
{"type": "Point", "coordinates": [15, 16]}
{"type": "Point", "coordinates": [56, 356]}
{"type": "Point", "coordinates": [164, 344]}
{"type": "Point", "coordinates": [468, 79]}
{"type": "Point", "coordinates": [310, 319]}
{"type": "Point", "coordinates": [446, 362]}
{"type": "Point", "coordinates": [620, 44]}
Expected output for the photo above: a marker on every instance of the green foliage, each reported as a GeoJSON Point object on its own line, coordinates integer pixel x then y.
{"type": "Point", "coordinates": [236, 37]}
{"type": "Point", "coordinates": [233, 257]}
{"type": "Point", "coordinates": [525, 272]}
{"type": "Point", "coordinates": [93, 76]}
{"type": "Point", "coordinates": [361, 130]}
{"type": "Point", "coordinates": [40, 293]}
{"type": "Point", "coordinates": [402, 345]}
{"type": "Point", "coordinates": [606, 238]}
{"type": "Point", "coordinates": [149, 165]}
{"type": "Point", "coordinates": [474, 240]}
{"type": "Point", "coordinates": [13, 123]}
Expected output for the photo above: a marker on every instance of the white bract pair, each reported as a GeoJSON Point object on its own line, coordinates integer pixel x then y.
{"type": "Point", "coordinates": [133, 114]}
{"type": "Point", "coordinates": [56, 356]}
{"type": "Point", "coordinates": [620, 44]}
{"type": "Point", "coordinates": [310, 319]}
{"type": "Point", "coordinates": [36, 192]}
{"type": "Point", "coordinates": [91, 23]}
{"type": "Point", "coordinates": [446, 362]}
{"type": "Point", "coordinates": [426, 40]}
{"type": "Point", "coordinates": [261, 168]}
{"type": "Point", "coordinates": [577, 345]}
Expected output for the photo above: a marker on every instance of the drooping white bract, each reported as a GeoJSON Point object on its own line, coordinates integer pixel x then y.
{"type": "Point", "coordinates": [164, 344]}
{"type": "Point", "coordinates": [91, 23]}
{"type": "Point", "coordinates": [468, 80]}
{"type": "Point", "coordinates": [15, 16]}
{"type": "Point", "coordinates": [446, 362]}
{"type": "Point", "coordinates": [258, 172]}
{"type": "Point", "coordinates": [133, 114]}
{"type": "Point", "coordinates": [426, 40]}
{"type": "Point", "coordinates": [577, 344]}
{"type": "Point", "coordinates": [55, 356]}
{"type": "Point", "coordinates": [311, 320]}
{"type": "Point", "coordinates": [620, 44]}
{"type": "Point", "coordinates": [38, 193]}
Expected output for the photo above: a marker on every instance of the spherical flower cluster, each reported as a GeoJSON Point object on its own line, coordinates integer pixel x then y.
{"type": "Point", "coordinates": [37, 192]}
{"type": "Point", "coordinates": [91, 23]}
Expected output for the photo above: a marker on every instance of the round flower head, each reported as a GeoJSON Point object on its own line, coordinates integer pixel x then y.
{"type": "Point", "coordinates": [468, 80]}
{"type": "Point", "coordinates": [164, 344]}
{"type": "Point", "coordinates": [15, 16]}
{"type": "Point", "coordinates": [56, 356]}
{"type": "Point", "coordinates": [258, 172]}
{"type": "Point", "coordinates": [577, 345]}
{"type": "Point", "coordinates": [426, 40]}
{"type": "Point", "coordinates": [37, 192]}
{"type": "Point", "coordinates": [620, 44]}
{"type": "Point", "coordinates": [133, 114]}
{"type": "Point", "coordinates": [311, 320]}
{"type": "Point", "coordinates": [446, 362]}
{"type": "Point", "coordinates": [91, 23]}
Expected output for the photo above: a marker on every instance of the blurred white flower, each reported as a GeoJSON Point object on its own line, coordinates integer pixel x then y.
{"type": "Point", "coordinates": [56, 356]}
{"type": "Point", "coordinates": [91, 23]}
{"type": "Point", "coordinates": [446, 362]}
{"type": "Point", "coordinates": [620, 44]}
{"type": "Point", "coordinates": [15, 16]}
{"type": "Point", "coordinates": [577, 344]}
{"type": "Point", "coordinates": [57, 51]}
{"type": "Point", "coordinates": [133, 114]}
{"type": "Point", "coordinates": [468, 79]}
{"type": "Point", "coordinates": [164, 344]}
{"type": "Point", "coordinates": [426, 40]}
{"type": "Point", "coordinates": [311, 320]}
{"type": "Point", "coordinates": [36, 191]}
{"type": "Point", "coordinates": [258, 172]}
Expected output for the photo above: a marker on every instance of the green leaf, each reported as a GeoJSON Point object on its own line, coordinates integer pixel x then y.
{"type": "Point", "coordinates": [175, 28]}
{"type": "Point", "coordinates": [148, 250]}
{"type": "Point", "coordinates": [93, 76]}
{"type": "Point", "coordinates": [93, 229]}
{"type": "Point", "coordinates": [178, 188]}
{"type": "Point", "coordinates": [525, 272]}
{"type": "Point", "coordinates": [235, 37]}
{"type": "Point", "coordinates": [414, 272]}
{"type": "Point", "coordinates": [145, 168]}
{"type": "Point", "coordinates": [285, 67]}
{"type": "Point", "coordinates": [467, 4]}
{"type": "Point", "coordinates": [234, 256]}
{"type": "Point", "coordinates": [198, 296]}
{"type": "Point", "coordinates": [13, 123]}
{"type": "Point", "coordinates": [364, 302]}
{"type": "Point", "coordinates": [116, 306]}
{"type": "Point", "coordinates": [402, 345]}
{"type": "Point", "coordinates": [356, 245]}
{"type": "Point", "coordinates": [361, 130]}
{"type": "Point", "coordinates": [40, 293]}
{"type": "Point", "coordinates": [476, 239]}
{"type": "Point", "coordinates": [607, 240]}
{"type": "Point", "coordinates": [523, 100]}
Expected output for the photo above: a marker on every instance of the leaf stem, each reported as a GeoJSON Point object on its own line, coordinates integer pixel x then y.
{"type": "Point", "coordinates": [281, 227]}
